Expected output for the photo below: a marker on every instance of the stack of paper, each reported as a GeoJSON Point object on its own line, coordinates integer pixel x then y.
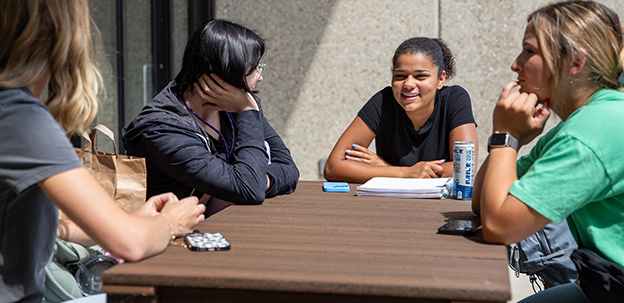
{"type": "Point", "coordinates": [406, 187]}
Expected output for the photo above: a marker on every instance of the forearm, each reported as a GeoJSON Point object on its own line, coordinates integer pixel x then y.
{"type": "Point", "coordinates": [125, 236]}
{"type": "Point", "coordinates": [243, 181]}
{"type": "Point", "coordinates": [68, 230]}
{"type": "Point", "coordinates": [476, 190]}
{"type": "Point", "coordinates": [356, 172]}
{"type": "Point", "coordinates": [504, 217]}
{"type": "Point", "coordinates": [144, 238]}
{"type": "Point", "coordinates": [247, 176]}
{"type": "Point", "coordinates": [282, 168]}
{"type": "Point", "coordinates": [285, 178]}
{"type": "Point", "coordinates": [447, 170]}
{"type": "Point", "coordinates": [496, 178]}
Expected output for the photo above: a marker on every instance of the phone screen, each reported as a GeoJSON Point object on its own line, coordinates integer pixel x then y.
{"type": "Point", "coordinates": [460, 227]}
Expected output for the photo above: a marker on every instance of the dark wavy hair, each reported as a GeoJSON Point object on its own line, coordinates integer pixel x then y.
{"type": "Point", "coordinates": [224, 48]}
{"type": "Point", "coordinates": [434, 48]}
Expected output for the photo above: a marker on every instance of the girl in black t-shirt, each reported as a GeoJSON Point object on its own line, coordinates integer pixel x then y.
{"type": "Point", "coordinates": [414, 121]}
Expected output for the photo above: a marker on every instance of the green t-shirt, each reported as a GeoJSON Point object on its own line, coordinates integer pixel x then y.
{"type": "Point", "coordinates": [576, 171]}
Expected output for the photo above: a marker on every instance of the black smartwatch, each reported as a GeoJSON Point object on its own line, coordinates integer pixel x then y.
{"type": "Point", "coordinates": [501, 140]}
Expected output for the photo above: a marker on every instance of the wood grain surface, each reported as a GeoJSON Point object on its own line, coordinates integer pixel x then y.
{"type": "Point", "coordinates": [331, 247]}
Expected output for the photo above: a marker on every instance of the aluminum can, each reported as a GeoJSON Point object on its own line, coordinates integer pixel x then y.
{"type": "Point", "coordinates": [463, 169]}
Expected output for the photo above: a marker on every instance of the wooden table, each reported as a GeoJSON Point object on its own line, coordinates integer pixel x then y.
{"type": "Point", "coordinates": [312, 246]}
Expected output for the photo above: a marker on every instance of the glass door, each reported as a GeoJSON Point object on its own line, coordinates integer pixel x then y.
{"type": "Point", "coordinates": [140, 51]}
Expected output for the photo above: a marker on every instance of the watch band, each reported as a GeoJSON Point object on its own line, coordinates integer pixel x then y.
{"type": "Point", "coordinates": [502, 140]}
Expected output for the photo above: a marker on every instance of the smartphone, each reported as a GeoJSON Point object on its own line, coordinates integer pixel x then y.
{"type": "Point", "coordinates": [460, 227]}
{"type": "Point", "coordinates": [336, 187]}
{"type": "Point", "coordinates": [206, 241]}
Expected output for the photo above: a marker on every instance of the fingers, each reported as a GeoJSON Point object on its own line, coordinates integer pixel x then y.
{"type": "Point", "coordinates": [216, 86]}
{"type": "Point", "coordinates": [193, 202]}
{"type": "Point", "coordinates": [352, 154]}
{"type": "Point", "coordinates": [206, 86]}
{"type": "Point", "coordinates": [207, 99]}
{"type": "Point", "coordinates": [184, 214]}
{"type": "Point", "coordinates": [160, 200]}
{"type": "Point", "coordinates": [352, 157]}
{"type": "Point", "coordinates": [212, 82]}
{"type": "Point", "coordinates": [360, 148]}
{"type": "Point", "coordinates": [430, 169]}
{"type": "Point", "coordinates": [506, 90]}
{"type": "Point", "coordinates": [217, 80]}
{"type": "Point", "coordinates": [210, 87]}
{"type": "Point", "coordinates": [520, 102]}
{"type": "Point", "coordinates": [528, 104]}
{"type": "Point", "coordinates": [542, 115]}
{"type": "Point", "coordinates": [436, 168]}
{"type": "Point", "coordinates": [203, 83]}
{"type": "Point", "coordinates": [219, 95]}
{"type": "Point", "coordinates": [364, 155]}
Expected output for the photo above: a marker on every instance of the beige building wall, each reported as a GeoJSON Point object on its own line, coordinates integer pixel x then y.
{"type": "Point", "coordinates": [326, 58]}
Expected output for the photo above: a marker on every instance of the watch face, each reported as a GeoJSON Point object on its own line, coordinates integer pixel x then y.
{"type": "Point", "coordinates": [498, 139]}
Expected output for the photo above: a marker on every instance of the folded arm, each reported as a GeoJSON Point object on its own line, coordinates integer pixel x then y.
{"type": "Point", "coordinates": [189, 162]}
{"type": "Point", "coordinates": [282, 169]}
{"type": "Point", "coordinates": [358, 164]}
{"type": "Point", "coordinates": [338, 168]}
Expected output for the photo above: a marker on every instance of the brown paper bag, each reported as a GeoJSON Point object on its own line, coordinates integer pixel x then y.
{"type": "Point", "coordinates": [123, 177]}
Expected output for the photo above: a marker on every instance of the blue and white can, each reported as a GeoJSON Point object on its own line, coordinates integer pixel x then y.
{"type": "Point", "coordinates": [463, 169]}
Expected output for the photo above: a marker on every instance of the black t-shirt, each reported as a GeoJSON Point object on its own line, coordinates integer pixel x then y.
{"type": "Point", "coordinates": [398, 143]}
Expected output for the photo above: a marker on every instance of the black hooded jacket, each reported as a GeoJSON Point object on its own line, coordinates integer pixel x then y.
{"type": "Point", "coordinates": [180, 156]}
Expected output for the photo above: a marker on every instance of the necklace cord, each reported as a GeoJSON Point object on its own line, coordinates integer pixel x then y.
{"type": "Point", "coordinates": [228, 149]}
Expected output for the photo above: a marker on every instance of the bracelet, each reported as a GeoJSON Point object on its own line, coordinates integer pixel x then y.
{"type": "Point", "coordinates": [173, 237]}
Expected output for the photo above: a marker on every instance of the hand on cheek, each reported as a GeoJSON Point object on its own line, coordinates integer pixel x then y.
{"type": "Point", "coordinates": [516, 114]}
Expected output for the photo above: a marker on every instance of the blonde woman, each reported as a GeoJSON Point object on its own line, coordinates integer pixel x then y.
{"type": "Point", "coordinates": [47, 43]}
{"type": "Point", "coordinates": [570, 63]}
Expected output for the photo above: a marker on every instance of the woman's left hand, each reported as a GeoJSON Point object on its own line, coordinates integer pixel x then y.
{"type": "Point", "coordinates": [516, 115]}
{"type": "Point", "coordinates": [364, 155]}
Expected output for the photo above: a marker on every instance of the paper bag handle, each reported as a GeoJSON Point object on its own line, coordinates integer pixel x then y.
{"type": "Point", "coordinates": [89, 139]}
{"type": "Point", "coordinates": [89, 143]}
{"type": "Point", "coordinates": [106, 131]}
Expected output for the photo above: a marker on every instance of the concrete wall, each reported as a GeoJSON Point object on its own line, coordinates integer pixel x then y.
{"type": "Point", "coordinates": [326, 58]}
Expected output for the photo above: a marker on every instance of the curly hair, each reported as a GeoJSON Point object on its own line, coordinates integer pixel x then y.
{"type": "Point", "coordinates": [434, 48]}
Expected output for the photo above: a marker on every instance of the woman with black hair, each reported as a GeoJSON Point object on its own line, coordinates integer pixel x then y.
{"type": "Point", "coordinates": [47, 43]}
{"type": "Point", "coordinates": [204, 133]}
{"type": "Point", "coordinates": [414, 121]}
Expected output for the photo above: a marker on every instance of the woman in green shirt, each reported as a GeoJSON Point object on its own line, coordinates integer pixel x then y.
{"type": "Point", "coordinates": [569, 65]}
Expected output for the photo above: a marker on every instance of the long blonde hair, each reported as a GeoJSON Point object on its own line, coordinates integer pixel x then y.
{"type": "Point", "coordinates": [567, 30]}
{"type": "Point", "coordinates": [40, 36]}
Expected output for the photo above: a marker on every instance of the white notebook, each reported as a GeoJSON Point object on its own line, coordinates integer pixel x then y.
{"type": "Point", "coordinates": [436, 188]}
